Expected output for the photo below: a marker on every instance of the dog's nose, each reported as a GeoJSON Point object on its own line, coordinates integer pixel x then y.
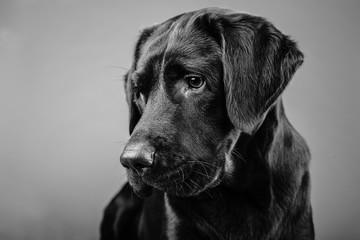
{"type": "Point", "coordinates": [137, 157]}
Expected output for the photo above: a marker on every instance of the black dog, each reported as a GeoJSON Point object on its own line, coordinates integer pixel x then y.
{"type": "Point", "coordinates": [211, 153]}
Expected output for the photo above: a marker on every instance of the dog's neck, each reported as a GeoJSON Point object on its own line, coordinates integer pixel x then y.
{"type": "Point", "coordinates": [274, 157]}
{"type": "Point", "coordinates": [267, 163]}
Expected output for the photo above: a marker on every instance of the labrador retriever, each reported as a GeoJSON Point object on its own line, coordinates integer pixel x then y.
{"type": "Point", "coordinates": [212, 154]}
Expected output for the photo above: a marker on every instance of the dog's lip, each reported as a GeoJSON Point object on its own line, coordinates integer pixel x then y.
{"type": "Point", "coordinates": [172, 181]}
{"type": "Point", "coordinates": [140, 187]}
{"type": "Point", "coordinates": [170, 178]}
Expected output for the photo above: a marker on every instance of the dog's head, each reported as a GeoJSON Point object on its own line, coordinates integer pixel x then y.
{"type": "Point", "coordinates": [197, 81]}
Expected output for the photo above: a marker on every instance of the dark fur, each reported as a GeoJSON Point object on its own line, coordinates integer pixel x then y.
{"type": "Point", "coordinates": [228, 164]}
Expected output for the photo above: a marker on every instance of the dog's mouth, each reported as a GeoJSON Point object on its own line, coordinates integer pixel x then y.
{"type": "Point", "coordinates": [187, 179]}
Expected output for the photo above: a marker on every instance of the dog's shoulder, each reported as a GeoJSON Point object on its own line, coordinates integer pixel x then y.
{"type": "Point", "coordinates": [121, 216]}
{"type": "Point", "coordinates": [130, 217]}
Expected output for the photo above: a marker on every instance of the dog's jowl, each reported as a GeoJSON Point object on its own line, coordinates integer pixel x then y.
{"type": "Point", "coordinates": [211, 153]}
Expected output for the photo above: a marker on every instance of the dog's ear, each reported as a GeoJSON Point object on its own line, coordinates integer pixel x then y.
{"type": "Point", "coordinates": [259, 62]}
{"type": "Point", "coordinates": [134, 114]}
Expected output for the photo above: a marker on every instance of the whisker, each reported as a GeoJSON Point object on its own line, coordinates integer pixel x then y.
{"type": "Point", "coordinates": [202, 174]}
{"type": "Point", "coordinates": [207, 191]}
{"type": "Point", "coordinates": [181, 188]}
{"type": "Point", "coordinates": [204, 163]}
{"type": "Point", "coordinates": [121, 142]}
{"type": "Point", "coordinates": [118, 67]}
{"type": "Point", "coordinates": [183, 174]}
{"type": "Point", "coordinates": [196, 185]}
{"type": "Point", "coordinates": [187, 184]}
{"type": "Point", "coordinates": [238, 154]}
{"type": "Point", "coordinates": [204, 168]}
{"type": "Point", "coordinates": [176, 187]}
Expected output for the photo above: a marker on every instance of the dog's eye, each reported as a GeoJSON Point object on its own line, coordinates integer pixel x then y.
{"type": "Point", "coordinates": [195, 81]}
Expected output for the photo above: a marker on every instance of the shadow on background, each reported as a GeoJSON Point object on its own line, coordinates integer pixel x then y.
{"type": "Point", "coordinates": [64, 118]}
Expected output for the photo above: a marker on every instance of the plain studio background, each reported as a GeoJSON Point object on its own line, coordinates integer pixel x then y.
{"type": "Point", "coordinates": [64, 119]}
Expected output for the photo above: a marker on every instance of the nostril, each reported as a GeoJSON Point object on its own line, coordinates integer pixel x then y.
{"type": "Point", "coordinates": [137, 157]}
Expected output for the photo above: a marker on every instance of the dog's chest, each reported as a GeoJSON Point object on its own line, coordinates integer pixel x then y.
{"type": "Point", "coordinates": [172, 221]}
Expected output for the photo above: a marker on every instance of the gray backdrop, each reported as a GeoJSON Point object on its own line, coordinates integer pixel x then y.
{"type": "Point", "coordinates": [63, 119]}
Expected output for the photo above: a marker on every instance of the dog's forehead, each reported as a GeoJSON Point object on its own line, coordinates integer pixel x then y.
{"type": "Point", "coordinates": [179, 41]}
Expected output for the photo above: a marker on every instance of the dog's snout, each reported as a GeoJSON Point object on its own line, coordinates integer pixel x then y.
{"type": "Point", "coordinates": [137, 157]}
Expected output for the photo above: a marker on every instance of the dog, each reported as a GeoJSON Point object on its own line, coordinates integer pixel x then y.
{"type": "Point", "coordinates": [212, 154]}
